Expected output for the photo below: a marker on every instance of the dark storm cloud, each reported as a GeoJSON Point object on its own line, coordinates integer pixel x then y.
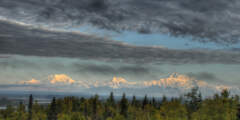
{"type": "Point", "coordinates": [18, 86]}
{"type": "Point", "coordinates": [24, 40]}
{"type": "Point", "coordinates": [215, 21]}
{"type": "Point", "coordinates": [28, 41]}
{"type": "Point", "coordinates": [76, 66]}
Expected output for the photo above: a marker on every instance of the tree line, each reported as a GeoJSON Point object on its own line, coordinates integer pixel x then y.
{"type": "Point", "coordinates": [191, 106]}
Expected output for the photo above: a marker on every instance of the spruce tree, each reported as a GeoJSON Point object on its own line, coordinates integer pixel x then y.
{"type": "Point", "coordinates": [30, 104]}
{"type": "Point", "coordinates": [94, 107]}
{"type": "Point", "coordinates": [111, 100]}
{"type": "Point", "coordinates": [193, 103]}
{"type": "Point", "coordinates": [8, 112]}
{"type": "Point", "coordinates": [154, 103]}
{"type": "Point", "coordinates": [194, 99]}
{"type": "Point", "coordinates": [164, 99]}
{"type": "Point", "coordinates": [85, 110]}
{"type": "Point", "coordinates": [238, 113]}
{"type": "Point", "coordinates": [145, 102]}
{"type": "Point", "coordinates": [124, 105]}
{"type": "Point", "coordinates": [21, 107]}
{"type": "Point", "coordinates": [134, 101]}
{"type": "Point", "coordinates": [52, 113]}
{"type": "Point", "coordinates": [225, 94]}
{"type": "Point", "coordinates": [109, 105]}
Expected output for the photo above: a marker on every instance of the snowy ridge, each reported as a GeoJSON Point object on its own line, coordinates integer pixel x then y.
{"type": "Point", "coordinates": [174, 84]}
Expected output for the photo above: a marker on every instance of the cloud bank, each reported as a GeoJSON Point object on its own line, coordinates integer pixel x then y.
{"type": "Point", "coordinates": [204, 76]}
{"type": "Point", "coordinates": [215, 21]}
{"type": "Point", "coordinates": [22, 40]}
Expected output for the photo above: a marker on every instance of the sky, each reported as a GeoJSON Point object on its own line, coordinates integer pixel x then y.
{"type": "Point", "coordinates": [90, 41]}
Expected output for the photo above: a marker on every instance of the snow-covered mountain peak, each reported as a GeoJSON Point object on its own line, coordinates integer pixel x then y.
{"type": "Point", "coordinates": [175, 84]}
{"type": "Point", "coordinates": [119, 82]}
{"type": "Point", "coordinates": [174, 80]}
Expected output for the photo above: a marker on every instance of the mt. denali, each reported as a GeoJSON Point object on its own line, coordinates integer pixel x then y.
{"type": "Point", "coordinates": [174, 85]}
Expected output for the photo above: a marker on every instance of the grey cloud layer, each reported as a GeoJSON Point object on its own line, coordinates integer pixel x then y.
{"type": "Point", "coordinates": [111, 70]}
{"type": "Point", "coordinates": [15, 39]}
{"type": "Point", "coordinates": [40, 68]}
{"type": "Point", "coordinates": [206, 20]}
{"type": "Point", "coordinates": [17, 68]}
{"type": "Point", "coordinates": [73, 66]}
{"type": "Point", "coordinates": [204, 76]}
{"type": "Point", "coordinates": [211, 78]}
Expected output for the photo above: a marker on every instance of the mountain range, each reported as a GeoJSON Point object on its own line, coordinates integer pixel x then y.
{"type": "Point", "coordinates": [174, 85]}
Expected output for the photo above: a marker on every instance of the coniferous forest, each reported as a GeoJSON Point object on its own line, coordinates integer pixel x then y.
{"type": "Point", "coordinates": [191, 106]}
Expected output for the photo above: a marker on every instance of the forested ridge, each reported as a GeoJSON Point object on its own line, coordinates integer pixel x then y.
{"type": "Point", "coordinates": [191, 106]}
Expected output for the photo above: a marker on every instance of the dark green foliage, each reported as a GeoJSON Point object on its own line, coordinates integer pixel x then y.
{"type": "Point", "coordinates": [124, 105]}
{"type": "Point", "coordinates": [76, 105]}
{"type": "Point", "coordinates": [145, 102]}
{"type": "Point", "coordinates": [109, 107]}
{"type": "Point", "coordinates": [110, 100]}
{"type": "Point", "coordinates": [225, 93]}
{"type": "Point", "coordinates": [8, 112]}
{"type": "Point", "coordinates": [221, 106]}
{"type": "Point", "coordinates": [194, 99]}
{"type": "Point", "coordinates": [30, 104]}
{"type": "Point", "coordinates": [52, 113]}
{"type": "Point", "coordinates": [164, 99]}
{"type": "Point", "coordinates": [238, 107]}
{"type": "Point", "coordinates": [21, 107]}
{"type": "Point", "coordinates": [134, 101]}
{"type": "Point", "coordinates": [94, 107]}
{"type": "Point", "coordinates": [154, 103]}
